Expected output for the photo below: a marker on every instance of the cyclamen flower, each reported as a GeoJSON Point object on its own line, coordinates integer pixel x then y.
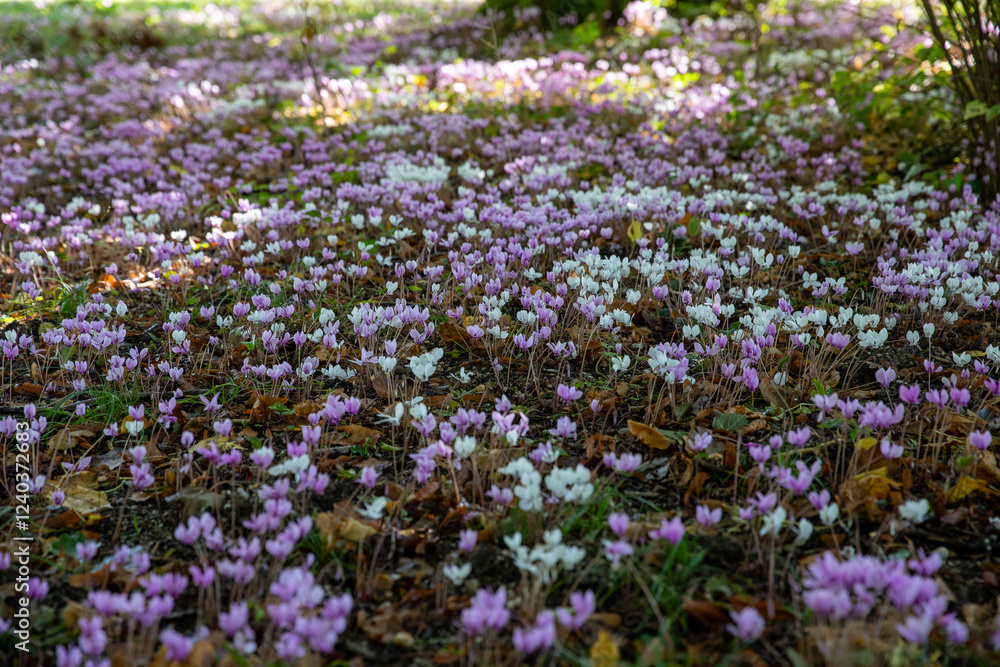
{"type": "Point", "coordinates": [568, 394]}
{"type": "Point", "coordinates": [86, 550]}
{"type": "Point", "coordinates": [565, 428]}
{"type": "Point", "coordinates": [626, 463]}
{"type": "Point", "coordinates": [889, 450]}
{"type": "Point", "coordinates": [799, 437]}
{"type": "Point", "coordinates": [708, 517]}
{"type": "Point", "coordinates": [980, 440]}
{"type": "Point", "coordinates": [915, 510]}
{"type": "Point", "coordinates": [583, 604]}
{"type": "Point", "coordinates": [885, 376]}
{"type": "Point", "coordinates": [467, 540]}
{"type": "Point", "coordinates": [177, 646]}
{"type": "Point", "coordinates": [672, 531]}
{"type": "Point", "coordinates": [614, 551]}
{"type": "Point", "coordinates": [701, 441]}
{"type": "Point", "coordinates": [368, 477]}
{"type": "Point", "coordinates": [618, 523]}
{"type": "Point", "coordinates": [423, 367]}
{"type": "Point", "coordinates": [457, 574]}
{"type": "Point", "coordinates": [486, 611]}
{"type": "Point", "coordinates": [916, 629]}
{"type": "Point", "coordinates": [910, 394]}
{"type": "Point", "coordinates": [539, 637]}
{"type": "Point", "coordinates": [747, 624]}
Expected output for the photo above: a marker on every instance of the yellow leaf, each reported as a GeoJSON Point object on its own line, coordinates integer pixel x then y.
{"type": "Point", "coordinates": [70, 437]}
{"type": "Point", "coordinates": [649, 436]}
{"type": "Point", "coordinates": [865, 443]}
{"type": "Point", "coordinates": [966, 487]}
{"type": "Point", "coordinates": [81, 495]}
{"type": "Point", "coordinates": [634, 231]}
{"type": "Point", "coordinates": [876, 483]}
{"type": "Point", "coordinates": [334, 526]}
{"type": "Point", "coordinates": [604, 652]}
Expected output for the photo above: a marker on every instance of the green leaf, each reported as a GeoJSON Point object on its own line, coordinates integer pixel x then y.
{"type": "Point", "coordinates": [993, 112]}
{"type": "Point", "coordinates": [974, 109]}
{"type": "Point", "coordinates": [729, 422]}
{"type": "Point", "coordinates": [694, 227]}
{"type": "Point", "coordinates": [795, 658]}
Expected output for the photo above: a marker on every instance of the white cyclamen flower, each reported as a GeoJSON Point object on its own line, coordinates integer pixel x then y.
{"type": "Point", "coordinates": [374, 508]}
{"type": "Point", "coordinates": [457, 573]}
{"type": "Point", "coordinates": [915, 510]}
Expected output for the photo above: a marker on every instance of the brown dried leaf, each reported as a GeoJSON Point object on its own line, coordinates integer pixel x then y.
{"type": "Point", "coordinates": [306, 408]}
{"type": "Point", "coordinates": [73, 612]}
{"type": "Point", "coordinates": [81, 496]}
{"type": "Point", "coordinates": [426, 492]}
{"type": "Point", "coordinates": [334, 527]}
{"type": "Point", "coordinates": [596, 444]}
{"type": "Point", "coordinates": [649, 436]}
{"type": "Point", "coordinates": [72, 436]}
{"type": "Point", "coordinates": [754, 426]}
{"type": "Point", "coordinates": [772, 392]}
{"type": "Point", "coordinates": [357, 434]}
{"type": "Point", "coordinates": [704, 612]}
{"type": "Point", "coordinates": [29, 389]}
{"type": "Point", "coordinates": [438, 402]}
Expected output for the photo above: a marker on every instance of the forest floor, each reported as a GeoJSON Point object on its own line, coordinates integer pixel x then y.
{"type": "Point", "coordinates": [376, 334]}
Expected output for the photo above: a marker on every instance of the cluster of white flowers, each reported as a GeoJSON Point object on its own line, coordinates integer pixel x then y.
{"type": "Point", "coordinates": [406, 172]}
{"type": "Point", "coordinates": [529, 487]}
{"type": "Point", "coordinates": [544, 560]}
{"type": "Point", "coordinates": [570, 484]}
{"type": "Point", "coordinates": [423, 367]}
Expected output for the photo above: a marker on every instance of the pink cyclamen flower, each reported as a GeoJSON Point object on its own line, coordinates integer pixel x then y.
{"type": "Point", "coordinates": [223, 428]}
{"type": "Point", "coordinates": [177, 646]}
{"type": "Point", "coordinates": [583, 604]}
{"type": "Point", "coordinates": [701, 441]}
{"type": "Point", "coordinates": [539, 637]}
{"type": "Point", "coordinates": [708, 517]}
{"type": "Point", "coordinates": [467, 540]}
{"type": "Point", "coordinates": [747, 624]}
{"type": "Point", "coordinates": [819, 499]}
{"type": "Point", "coordinates": [487, 610]}
{"type": "Point", "coordinates": [910, 394]}
{"type": "Point", "coordinates": [916, 629]}
{"type": "Point", "coordinates": [565, 428]}
{"type": "Point", "coordinates": [980, 440]}
{"type": "Point", "coordinates": [368, 477]}
{"type": "Point", "coordinates": [619, 523]}
{"type": "Point", "coordinates": [672, 531]}
{"type": "Point", "coordinates": [889, 450]}
{"type": "Point", "coordinates": [799, 437]}
{"type": "Point", "coordinates": [37, 588]}
{"type": "Point", "coordinates": [614, 551]}
{"type": "Point", "coordinates": [568, 393]}
{"type": "Point", "coordinates": [885, 376]}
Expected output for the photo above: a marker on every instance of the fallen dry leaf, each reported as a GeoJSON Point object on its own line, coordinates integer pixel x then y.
{"type": "Point", "coordinates": [705, 612]}
{"type": "Point", "coordinates": [649, 436]}
{"type": "Point", "coordinates": [81, 496]}
{"type": "Point", "coordinates": [604, 652]}
{"type": "Point", "coordinates": [72, 436]}
{"type": "Point", "coordinates": [340, 524]}
{"type": "Point", "coordinates": [356, 434]}
{"type": "Point", "coordinates": [967, 487]}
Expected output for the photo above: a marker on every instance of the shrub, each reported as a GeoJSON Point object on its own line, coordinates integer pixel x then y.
{"type": "Point", "coordinates": [969, 33]}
